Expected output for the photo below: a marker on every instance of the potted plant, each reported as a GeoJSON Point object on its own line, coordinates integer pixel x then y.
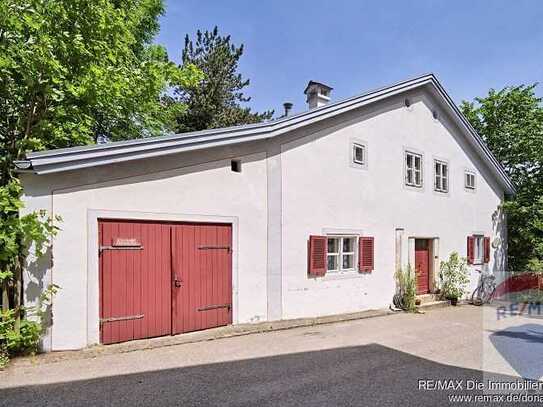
{"type": "Point", "coordinates": [454, 278]}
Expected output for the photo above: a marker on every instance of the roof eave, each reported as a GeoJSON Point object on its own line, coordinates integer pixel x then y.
{"type": "Point", "coordinates": [57, 160]}
{"type": "Point", "coordinates": [52, 161]}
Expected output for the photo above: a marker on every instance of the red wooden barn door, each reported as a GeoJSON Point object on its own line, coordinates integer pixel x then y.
{"type": "Point", "coordinates": [135, 280]}
{"type": "Point", "coordinates": [202, 276]}
{"type": "Point", "coordinates": [422, 265]}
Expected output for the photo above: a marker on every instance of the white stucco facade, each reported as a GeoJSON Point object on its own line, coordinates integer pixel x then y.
{"type": "Point", "coordinates": [290, 187]}
{"type": "Point", "coordinates": [328, 196]}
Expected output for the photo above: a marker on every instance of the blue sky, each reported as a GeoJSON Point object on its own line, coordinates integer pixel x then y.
{"type": "Point", "coordinates": [355, 46]}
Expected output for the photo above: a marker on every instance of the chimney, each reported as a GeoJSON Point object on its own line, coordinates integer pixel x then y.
{"type": "Point", "coordinates": [288, 107]}
{"type": "Point", "coordinates": [318, 94]}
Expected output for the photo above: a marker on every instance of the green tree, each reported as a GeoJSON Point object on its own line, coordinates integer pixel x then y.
{"type": "Point", "coordinates": [72, 71]}
{"type": "Point", "coordinates": [215, 101]}
{"type": "Point", "coordinates": [511, 123]}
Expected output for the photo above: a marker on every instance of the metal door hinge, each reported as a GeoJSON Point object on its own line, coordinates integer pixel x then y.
{"type": "Point", "coordinates": [227, 248]}
{"type": "Point", "coordinates": [126, 318]}
{"type": "Point", "coordinates": [210, 307]}
{"type": "Point", "coordinates": [102, 248]}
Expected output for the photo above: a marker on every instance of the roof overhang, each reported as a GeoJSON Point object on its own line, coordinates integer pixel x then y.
{"type": "Point", "coordinates": [53, 161]}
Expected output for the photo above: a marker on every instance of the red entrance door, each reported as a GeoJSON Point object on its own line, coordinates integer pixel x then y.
{"type": "Point", "coordinates": [159, 279]}
{"type": "Point", "coordinates": [202, 276]}
{"type": "Point", "coordinates": [422, 265]}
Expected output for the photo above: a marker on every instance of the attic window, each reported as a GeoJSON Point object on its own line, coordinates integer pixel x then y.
{"type": "Point", "coordinates": [235, 165]}
{"type": "Point", "coordinates": [359, 154]}
{"type": "Point", "coordinates": [469, 180]}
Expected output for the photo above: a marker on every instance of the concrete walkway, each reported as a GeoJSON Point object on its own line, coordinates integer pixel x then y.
{"type": "Point", "coordinates": [376, 361]}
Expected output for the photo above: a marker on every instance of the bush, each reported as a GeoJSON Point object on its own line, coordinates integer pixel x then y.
{"type": "Point", "coordinates": [25, 340]}
{"type": "Point", "coordinates": [407, 284]}
{"type": "Point", "coordinates": [22, 337]}
{"type": "Point", "coordinates": [454, 276]}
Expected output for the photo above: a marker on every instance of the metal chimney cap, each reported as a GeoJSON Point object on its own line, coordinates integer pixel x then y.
{"type": "Point", "coordinates": [287, 106]}
{"type": "Point", "coordinates": [319, 84]}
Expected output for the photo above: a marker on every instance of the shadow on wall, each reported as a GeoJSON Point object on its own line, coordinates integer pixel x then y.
{"type": "Point", "coordinates": [36, 282]}
{"type": "Point", "coordinates": [499, 228]}
{"type": "Point", "coordinates": [35, 274]}
{"type": "Point", "coordinates": [370, 375]}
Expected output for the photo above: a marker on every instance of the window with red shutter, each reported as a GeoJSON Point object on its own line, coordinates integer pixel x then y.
{"type": "Point", "coordinates": [470, 249]}
{"type": "Point", "coordinates": [487, 249]}
{"type": "Point", "coordinates": [365, 254]}
{"type": "Point", "coordinates": [317, 256]}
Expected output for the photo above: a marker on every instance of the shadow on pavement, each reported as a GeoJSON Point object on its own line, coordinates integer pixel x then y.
{"type": "Point", "coordinates": [522, 347]}
{"type": "Point", "coordinates": [371, 375]}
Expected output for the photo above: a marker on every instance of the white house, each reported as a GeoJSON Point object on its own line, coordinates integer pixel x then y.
{"type": "Point", "coordinates": [306, 215]}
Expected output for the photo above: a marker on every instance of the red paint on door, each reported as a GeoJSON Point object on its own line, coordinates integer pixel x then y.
{"type": "Point", "coordinates": [202, 275]}
{"type": "Point", "coordinates": [161, 278]}
{"type": "Point", "coordinates": [422, 266]}
{"type": "Point", "coordinates": [134, 280]}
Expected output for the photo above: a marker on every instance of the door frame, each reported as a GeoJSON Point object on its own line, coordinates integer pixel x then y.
{"type": "Point", "coordinates": [93, 262]}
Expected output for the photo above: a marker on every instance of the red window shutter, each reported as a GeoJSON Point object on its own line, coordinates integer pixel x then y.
{"type": "Point", "coordinates": [487, 249]}
{"type": "Point", "coordinates": [365, 254]}
{"type": "Point", "coordinates": [317, 255]}
{"type": "Point", "coordinates": [471, 243]}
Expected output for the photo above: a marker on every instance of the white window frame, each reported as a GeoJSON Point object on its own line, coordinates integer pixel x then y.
{"type": "Point", "coordinates": [363, 148]}
{"type": "Point", "coordinates": [468, 174]}
{"type": "Point", "coordinates": [340, 253]}
{"type": "Point", "coordinates": [439, 177]}
{"type": "Point", "coordinates": [356, 142]}
{"type": "Point", "coordinates": [478, 249]}
{"type": "Point", "coordinates": [413, 169]}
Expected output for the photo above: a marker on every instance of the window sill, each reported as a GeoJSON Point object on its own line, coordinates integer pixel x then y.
{"type": "Point", "coordinates": [347, 275]}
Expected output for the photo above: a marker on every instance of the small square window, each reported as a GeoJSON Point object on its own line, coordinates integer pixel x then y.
{"type": "Point", "coordinates": [469, 178]}
{"type": "Point", "coordinates": [441, 172]}
{"type": "Point", "coordinates": [413, 169]}
{"type": "Point", "coordinates": [235, 165]}
{"type": "Point", "coordinates": [359, 154]}
{"type": "Point", "coordinates": [341, 254]}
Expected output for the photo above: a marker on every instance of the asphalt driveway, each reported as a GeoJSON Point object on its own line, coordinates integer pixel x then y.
{"type": "Point", "coordinates": [394, 360]}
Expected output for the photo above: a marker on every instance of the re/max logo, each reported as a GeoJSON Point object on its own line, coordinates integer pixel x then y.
{"type": "Point", "coordinates": [515, 308]}
{"type": "Point", "coordinates": [440, 384]}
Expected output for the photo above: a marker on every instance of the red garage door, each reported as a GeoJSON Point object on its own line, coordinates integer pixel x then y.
{"type": "Point", "coordinates": [160, 278]}
{"type": "Point", "coordinates": [202, 259]}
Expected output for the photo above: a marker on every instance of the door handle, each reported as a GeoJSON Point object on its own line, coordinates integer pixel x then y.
{"type": "Point", "coordinates": [177, 282]}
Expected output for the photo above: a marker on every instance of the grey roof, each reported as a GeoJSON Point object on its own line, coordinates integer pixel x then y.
{"type": "Point", "coordinates": [51, 161]}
